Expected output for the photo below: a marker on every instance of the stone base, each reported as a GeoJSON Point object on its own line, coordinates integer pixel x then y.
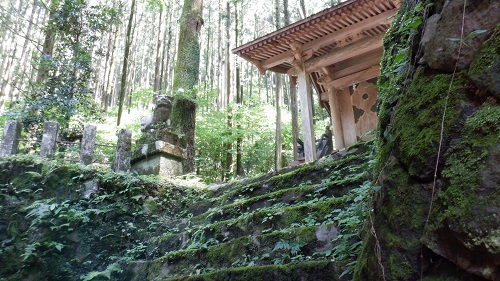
{"type": "Point", "coordinates": [158, 158]}
{"type": "Point", "coordinates": [159, 164]}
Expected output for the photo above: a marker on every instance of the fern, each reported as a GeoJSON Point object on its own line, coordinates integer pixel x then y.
{"type": "Point", "coordinates": [114, 267]}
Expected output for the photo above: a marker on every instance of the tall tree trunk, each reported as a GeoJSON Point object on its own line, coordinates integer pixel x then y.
{"type": "Point", "coordinates": [206, 55]}
{"type": "Point", "coordinates": [229, 144]}
{"type": "Point", "coordinates": [166, 79]}
{"type": "Point", "coordinates": [107, 89]}
{"type": "Point", "coordinates": [279, 140]}
{"type": "Point", "coordinates": [164, 68]}
{"type": "Point", "coordinates": [128, 42]}
{"type": "Point", "coordinates": [286, 13]}
{"type": "Point", "coordinates": [295, 116]}
{"type": "Point", "coordinates": [157, 82]}
{"type": "Point", "coordinates": [303, 8]}
{"type": "Point", "coordinates": [293, 92]}
{"type": "Point", "coordinates": [187, 69]}
{"type": "Point", "coordinates": [239, 100]}
{"type": "Point", "coordinates": [219, 59]}
{"type": "Point", "coordinates": [48, 44]}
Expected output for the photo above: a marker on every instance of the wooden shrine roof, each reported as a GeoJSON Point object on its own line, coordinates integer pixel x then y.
{"type": "Point", "coordinates": [340, 45]}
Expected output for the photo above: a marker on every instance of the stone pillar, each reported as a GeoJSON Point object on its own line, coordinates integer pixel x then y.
{"type": "Point", "coordinates": [50, 130]}
{"type": "Point", "coordinates": [10, 138]}
{"type": "Point", "coordinates": [338, 131]}
{"type": "Point", "coordinates": [88, 144]}
{"type": "Point", "coordinates": [123, 151]}
{"type": "Point", "coordinates": [307, 116]}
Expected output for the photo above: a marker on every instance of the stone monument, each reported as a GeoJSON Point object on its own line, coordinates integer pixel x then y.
{"type": "Point", "coordinates": [10, 139]}
{"type": "Point", "coordinates": [159, 151]}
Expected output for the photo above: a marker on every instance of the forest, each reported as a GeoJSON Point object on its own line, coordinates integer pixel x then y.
{"type": "Point", "coordinates": [102, 62]}
{"type": "Point", "coordinates": [409, 90]}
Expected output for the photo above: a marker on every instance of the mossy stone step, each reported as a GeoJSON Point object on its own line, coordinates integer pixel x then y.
{"type": "Point", "coordinates": [288, 197]}
{"type": "Point", "coordinates": [235, 211]}
{"type": "Point", "coordinates": [302, 271]}
{"type": "Point", "coordinates": [333, 169]}
{"type": "Point", "coordinates": [253, 223]}
{"type": "Point", "coordinates": [311, 243]}
{"type": "Point", "coordinates": [291, 196]}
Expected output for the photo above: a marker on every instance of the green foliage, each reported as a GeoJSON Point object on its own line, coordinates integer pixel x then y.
{"type": "Point", "coordinates": [288, 249]}
{"type": "Point", "coordinates": [396, 68]}
{"type": "Point", "coordinates": [142, 97]}
{"type": "Point", "coordinates": [468, 39]}
{"type": "Point", "coordinates": [114, 267]}
{"type": "Point", "coordinates": [51, 220]}
{"type": "Point", "coordinates": [65, 93]}
{"type": "Point", "coordinates": [212, 132]}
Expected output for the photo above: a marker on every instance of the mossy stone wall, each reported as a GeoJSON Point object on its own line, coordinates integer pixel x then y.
{"type": "Point", "coordinates": [435, 219]}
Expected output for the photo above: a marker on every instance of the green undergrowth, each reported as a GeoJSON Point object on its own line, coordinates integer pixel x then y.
{"type": "Point", "coordinates": [69, 222]}
{"type": "Point", "coordinates": [249, 224]}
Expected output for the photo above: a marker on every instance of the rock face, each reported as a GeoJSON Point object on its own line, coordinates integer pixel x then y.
{"type": "Point", "coordinates": [442, 34]}
{"type": "Point", "coordinates": [437, 218]}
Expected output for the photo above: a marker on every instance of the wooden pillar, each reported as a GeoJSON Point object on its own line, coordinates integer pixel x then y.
{"type": "Point", "coordinates": [338, 131]}
{"type": "Point", "coordinates": [295, 113]}
{"type": "Point", "coordinates": [303, 81]}
{"type": "Point", "coordinates": [347, 117]}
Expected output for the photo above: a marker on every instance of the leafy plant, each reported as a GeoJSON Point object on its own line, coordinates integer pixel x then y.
{"type": "Point", "coordinates": [288, 249]}
{"type": "Point", "coordinates": [63, 92]}
{"type": "Point", "coordinates": [114, 267]}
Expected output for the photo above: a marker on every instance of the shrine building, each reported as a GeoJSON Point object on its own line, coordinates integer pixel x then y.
{"type": "Point", "coordinates": [339, 51]}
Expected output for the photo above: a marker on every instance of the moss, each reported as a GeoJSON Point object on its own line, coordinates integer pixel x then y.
{"type": "Point", "coordinates": [418, 118]}
{"type": "Point", "coordinates": [306, 271]}
{"type": "Point", "coordinates": [399, 267]}
{"type": "Point", "coordinates": [460, 202]}
{"type": "Point", "coordinates": [488, 56]}
{"type": "Point", "coordinates": [398, 225]}
{"type": "Point", "coordinates": [391, 84]}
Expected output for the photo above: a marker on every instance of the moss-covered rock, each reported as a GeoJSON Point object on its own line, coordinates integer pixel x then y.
{"type": "Point", "coordinates": [418, 122]}
{"type": "Point", "coordinates": [306, 271]}
{"type": "Point", "coordinates": [485, 70]}
{"type": "Point", "coordinates": [398, 224]}
{"type": "Point", "coordinates": [465, 222]}
{"type": "Point", "coordinates": [435, 220]}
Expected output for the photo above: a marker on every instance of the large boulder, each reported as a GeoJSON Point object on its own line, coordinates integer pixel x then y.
{"type": "Point", "coordinates": [441, 39]}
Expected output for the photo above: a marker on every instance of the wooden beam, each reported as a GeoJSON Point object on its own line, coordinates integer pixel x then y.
{"type": "Point", "coordinates": [277, 60]}
{"type": "Point", "coordinates": [349, 80]}
{"type": "Point", "coordinates": [354, 78]}
{"type": "Point", "coordinates": [349, 51]}
{"type": "Point", "coordinates": [363, 64]}
{"type": "Point", "coordinates": [383, 18]}
{"type": "Point", "coordinates": [355, 61]}
{"type": "Point", "coordinates": [257, 63]}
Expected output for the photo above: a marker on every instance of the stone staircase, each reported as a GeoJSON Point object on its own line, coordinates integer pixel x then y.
{"type": "Point", "coordinates": [277, 227]}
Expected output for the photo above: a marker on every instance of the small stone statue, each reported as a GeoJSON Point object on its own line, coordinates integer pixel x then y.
{"type": "Point", "coordinates": [161, 113]}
